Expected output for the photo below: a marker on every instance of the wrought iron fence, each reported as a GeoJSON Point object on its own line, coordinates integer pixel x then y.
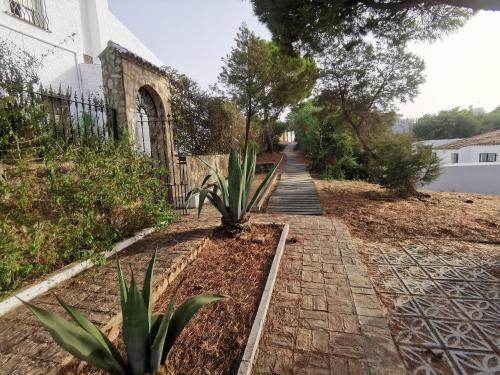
{"type": "Point", "coordinates": [42, 118]}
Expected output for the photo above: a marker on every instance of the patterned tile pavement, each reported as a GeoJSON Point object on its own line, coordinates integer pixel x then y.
{"type": "Point", "coordinates": [444, 309]}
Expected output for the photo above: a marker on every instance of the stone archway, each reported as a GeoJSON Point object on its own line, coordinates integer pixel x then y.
{"type": "Point", "coordinates": [135, 88]}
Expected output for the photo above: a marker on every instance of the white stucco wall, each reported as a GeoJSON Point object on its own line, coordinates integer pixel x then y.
{"type": "Point", "coordinates": [469, 154]}
{"type": "Point", "coordinates": [471, 178]}
{"type": "Point", "coordinates": [76, 27]}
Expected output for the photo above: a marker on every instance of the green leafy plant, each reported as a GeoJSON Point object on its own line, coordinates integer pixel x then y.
{"type": "Point", "coordinates": [74, 204]}
{"type": "Point", "coordinates": [402, 166]}
{"type": "Point", "coordinates": [231, 196]}
{"type": "Point", "coordinates": [148, 338]}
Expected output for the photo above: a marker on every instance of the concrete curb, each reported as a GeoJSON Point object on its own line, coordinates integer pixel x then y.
{"type": "Point", "coordinates": [267, 191]}
{"type": "Point", "coordinates": [252, 346]}
{"type": "Point", "coordinates": [65, 273]}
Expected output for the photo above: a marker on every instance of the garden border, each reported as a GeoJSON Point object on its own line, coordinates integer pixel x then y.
{"type": "Point", "coordinates": [268, 190]}
{"type": "Point", "coordinates": [66, 273]}
{"type": "Point", "coordinates": [252, 346]}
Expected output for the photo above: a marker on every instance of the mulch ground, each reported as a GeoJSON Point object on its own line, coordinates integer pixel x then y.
{"type": "Point", "coordinates": [214, 340]}
{"type": "Point", "coordinates": [372, 213]}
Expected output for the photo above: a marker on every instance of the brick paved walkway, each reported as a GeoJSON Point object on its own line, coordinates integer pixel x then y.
{"type": "Point", "coordinates": [296, 193]}
{"type": "Point", "coordinates": [324, 316]}
{"type": "Point", "coordinates": [25, 347]}
{"type": "Point", "coordinates": [444, 306]}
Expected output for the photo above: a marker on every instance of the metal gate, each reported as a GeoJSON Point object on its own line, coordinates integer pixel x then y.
{"type": "Point", "coordinates": [152, 139]}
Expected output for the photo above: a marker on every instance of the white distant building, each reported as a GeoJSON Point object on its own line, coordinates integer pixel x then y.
{"type": "Point", "coordinates": [68, 36]}
{"type": "Point", "coordinates": [469, 165]}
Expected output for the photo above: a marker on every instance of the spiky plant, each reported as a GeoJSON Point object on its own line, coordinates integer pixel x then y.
{"type": "Point", "coordinates": [231, 196]}
{"type": "Point", "coordinates": [148, 338]}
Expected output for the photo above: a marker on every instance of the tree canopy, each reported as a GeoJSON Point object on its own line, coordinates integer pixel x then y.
{"type": "Point", "coordinates": [365, 81]}
{"type": "Point", "coordinates": [263, 81]}
{"type": "Point", "coordinates": [299, 24]}
{"type": "Point", "coordinates": [456, 123]}
{"type": "Point", "coordinates": [204, 123]}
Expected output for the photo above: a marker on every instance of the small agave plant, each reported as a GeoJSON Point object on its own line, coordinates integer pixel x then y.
{"type": "Point", "coordinates": [148, 338]}
{"type": "Point", "coordinates": [231, 196]}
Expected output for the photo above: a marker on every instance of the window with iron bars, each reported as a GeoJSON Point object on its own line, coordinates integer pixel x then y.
{"type": "Point", "coordinates": [487, 157]}
{"type": "Point", "coordinates": [32, 11]}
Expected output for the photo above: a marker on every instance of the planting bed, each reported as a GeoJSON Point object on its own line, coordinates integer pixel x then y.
{"type": "Point", "coordinates": [215, 339]}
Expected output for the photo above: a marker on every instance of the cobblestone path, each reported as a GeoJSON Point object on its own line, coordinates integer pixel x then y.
{"type": "Point", "coordinates": [324, 316]}
{"type": "Point", "coordinates": [26, 348]}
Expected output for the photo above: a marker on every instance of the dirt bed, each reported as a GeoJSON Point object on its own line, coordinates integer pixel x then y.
{"type": "Point", "coordinates": [214, 340]}
{"type": "Point", "coordinates": [374, 214]}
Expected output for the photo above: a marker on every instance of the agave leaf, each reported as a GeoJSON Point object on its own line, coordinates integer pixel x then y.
{"type": "Point", "coordinates": [235, 184]}
{"type": "Point", "coordinates": [251, 160]}
{"type": "Point", "coordinates": [122, 283]}
{"type": "Point", "coordinates": [76, 341]}
{"type": "Point", "coordinates": [191, 193]}
{"type": "Point", "coordinates": [91, 329]}
{"type": "Point", "coordinates": [218, 204]}
{"type": "Point", "coordinates": [159, 341]}
{"type": "Point", "coordinates": [182, 316]}
{"type": "Point", "coordinates": [262, 186]}
{"type": "Point", "coordinates": [147, 287]}
{"type": "Point", "coordinates": [205, 180]}
{"type": "Point", "coordinates": [136, 330]}
{"type": "Point", "coordinates": [201, 201]}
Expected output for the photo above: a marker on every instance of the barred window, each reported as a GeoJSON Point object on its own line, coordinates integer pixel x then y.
{"type": "Point", "coordinates": [488, 157]}
{"type": "Point", "coordinates": [32, 11]}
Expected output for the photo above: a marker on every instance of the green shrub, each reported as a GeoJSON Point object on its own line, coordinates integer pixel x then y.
{"type": "Point", "coordinates": [148, 338]}
{"type": "Point", "coordinates": [401, 166]}
{"type": "Point", "coordinates": [74, 205]}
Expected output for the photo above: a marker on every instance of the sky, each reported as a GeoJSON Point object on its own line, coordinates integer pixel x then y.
{"type": "Point", "coordinates": [193, 35]}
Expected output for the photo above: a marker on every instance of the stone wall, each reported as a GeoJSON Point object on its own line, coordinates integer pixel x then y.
{"type": "Point", "coordinates": [197, 170]}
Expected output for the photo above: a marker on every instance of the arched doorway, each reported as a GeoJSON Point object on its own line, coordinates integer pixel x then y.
{"type": "Point", "coordinates": [150, 126]}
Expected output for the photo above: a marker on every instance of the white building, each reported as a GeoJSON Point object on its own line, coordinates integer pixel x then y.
{"type": "Point", "coordinates": [470, 165]}
{"type": "Point", "coordinates": [67, 36]}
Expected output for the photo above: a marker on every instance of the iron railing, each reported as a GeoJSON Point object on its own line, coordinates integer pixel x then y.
{"type": "Point", "coordinates": [48, 118]}
{"type": "Point", "coordinates": [32, 11]}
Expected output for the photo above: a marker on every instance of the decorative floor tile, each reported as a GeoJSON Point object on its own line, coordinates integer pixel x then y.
{"type": "Point", "coordinates": [457, 260]}
{"type": "Point", "coordinates": [438, 308]}
{"type": "Point", "coordinates": [409, 272]}
{"type": "Point", "coordinates": [413, 331]}
{"type": "Point", "coordinates": [475, 274]}
{"type": "Point", "coordinates": [491, 331]}
{"type": "Point", "coordinates": [459, 335]}
{"type": "Point", "coordinates": [442, 272]}
{"type": "Point", "coordinates": [424, 258]}
{"type": "Point", "coordinates": [458, 289]}
{"type": "Point", "coordinates": [422, 361]}
{"type": "Point", "coordinates": [488, 290]}
{"type": "Point", "coordinates": [398, 257]}
{"type": "Point", "coordinates": [422, 287]}
{"type": "Point", "coordinates": [376, 259]}
{"type": "Point", "coordinates": [476, 363]}
{"type": "Point", "coordinates": [399, 304]}
{"type": "Point", "coordinates": [390, 285]}
{"type": "Point", "coordinates": [479, 309]}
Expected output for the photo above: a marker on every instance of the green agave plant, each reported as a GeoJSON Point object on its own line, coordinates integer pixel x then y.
{"type": "Point", "coordinates": [148, 338]}
{"type": "Point", "coordinates": [231, 196]}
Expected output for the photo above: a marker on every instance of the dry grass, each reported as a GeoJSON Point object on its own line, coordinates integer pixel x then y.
{"type": "Point", "coordinates": [374, 214]}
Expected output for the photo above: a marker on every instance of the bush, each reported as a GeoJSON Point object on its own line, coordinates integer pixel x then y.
{"type": "Point", "coordinates": [74, 205]}
{"type": "Point", "coordinates": [401, 166]}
